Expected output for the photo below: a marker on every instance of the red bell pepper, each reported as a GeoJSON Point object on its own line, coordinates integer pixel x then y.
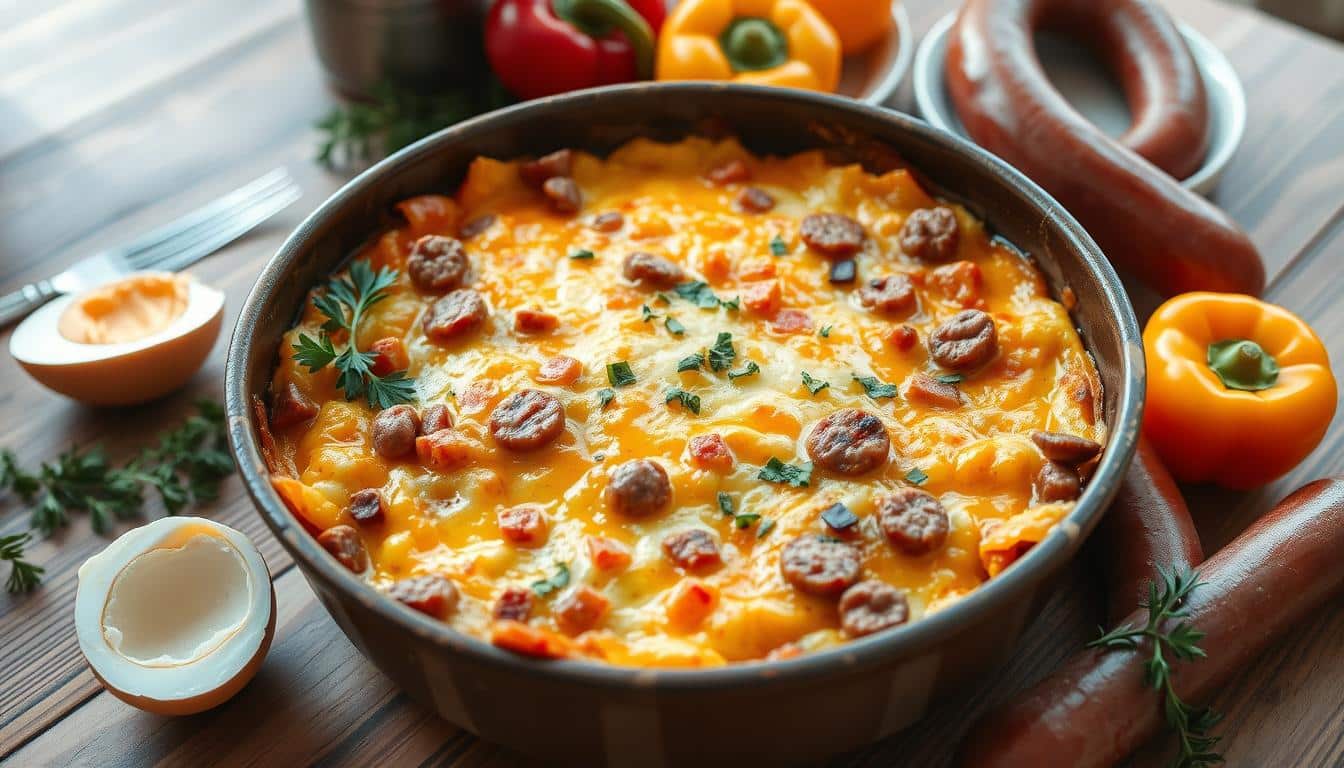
{"type": "Point", "coordinates": [542, 47]}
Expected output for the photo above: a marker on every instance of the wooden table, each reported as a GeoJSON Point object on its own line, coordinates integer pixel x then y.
{"type": "Point", "coordinates": [119, 115]}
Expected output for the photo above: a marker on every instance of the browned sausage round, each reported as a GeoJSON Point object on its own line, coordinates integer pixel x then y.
{"type": "Point", "coordinates": [831, 234]}
{"type": "Point", "coordinates": [820, 565]}
{"type": "Point", "coordinates": [872, 606]}
{"type": "Point", "coordinates": [534, 173]}
{"type": "Point", "coordinates": [524, 524]}
{"type": "Point", "coordinates": [892, 295]}
{"type": "Point", "coordinates": [563, 194]}
{"type": "Point", "coordinates": [1064, 448]}
{"type": "Point", "coordinates": [639, 488]}
{"type": "Point", "coordinates": [1097, 709]}
{"type": "Point", "coordinates": [455, 314]}
{"type": "Point", "coordinates": [290, 406]}
{"type": "Point", "coordinates": [513, 604]}
{"type": "Point", "coordinates": [1057, 482]}
{"type": "Point", "coordinates": [849, 442]}
{"type": "Point", "coordinates": [1146, 529]}
{"type": "Point", "coordinates": [755, 200]}
{"type": "Point", "coordinates": [647, 268]}
{"type": "Point", "coordinates": [476, 226]}
{"type": "Point", "coordinates": [344, 544]}
{"type": "Point", "coordinates": [437, 263]}
{"type": "Point", "coordinates": [930, 234]}
{"type": "Point", "coordinates": [913, 520]}
{"type": "Point", "coordinates": [1142, 218]}
{"type": "Point", "coordinates": [394, 431]}
{"type": "Point", "coordinates": [367, 507]}
{"type": "Point", "coordinates": [966, 341]}
{"type": "Point", "coordinates": [692, 549]}
{"type": "Point", "coordinates": [607, 222]}
{"type": "Point", "coordinates": [527, 420]}
{"type": "Point", "coordinates": [433, 595]}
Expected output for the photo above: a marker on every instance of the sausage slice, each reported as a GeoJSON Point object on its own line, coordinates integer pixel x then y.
{"type": "Point", "coordinates": [1057, 482]}
{"type": "Point", "coordinates": [394, 431]}
{"type": "Point", "coordinates": [693, 549]}
{"type": "Point", "coordinates": [524, 524]}
{"type": "Point", "coordinates": [930, 234]}
{"type": "Point", "coordinates": [831, 234]}
{"type": "Point", "coordinates": [367, 507]}
{"type": "Point", "coordinates": [872, 606]}
{"type": "Point", "coordinates": [437, 263]}
{"type": "Point", "coordinates": [819, 565]}
{"type": "Point", "coordinates": [639, 488]}
{"type": "Point", "coordinates": [344, 544]}
{"type": "Point", "coordinates": [1065, 448]}
{"type": "Point", "coordinates": [849, 442]}
{"type": "Point", "coordinates": [433, 595]}
{"type": "Point", "coordinates": [966, 341]}
{"type": "Point", "coordinates": [649, 269]}
{"type": "Point", "coordinates": [892, 295]}
{"type": "Point", "coordinates": [913, 520]}
{"type": "Point", "coordinates": [527, 420]}
{"type": "Point", "coordinates": [455, 314]}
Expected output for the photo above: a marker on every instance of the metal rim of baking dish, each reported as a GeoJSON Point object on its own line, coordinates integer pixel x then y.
{"type": "Point", "coordinates": [906, 641]}
{"type": "Point", "coordinates": [1227, 99]}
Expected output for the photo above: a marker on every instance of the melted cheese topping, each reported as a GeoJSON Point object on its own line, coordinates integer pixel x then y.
{"type": "Point", "coordinates": [978, 458]}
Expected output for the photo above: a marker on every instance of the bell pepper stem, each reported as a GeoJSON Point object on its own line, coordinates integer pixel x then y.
{"type": "Point", "coordinates": [596, 18]}
{"type": "Point", "coordinates": [1243, 364]}
{"type": "Point", "coordinates": [751, 43]}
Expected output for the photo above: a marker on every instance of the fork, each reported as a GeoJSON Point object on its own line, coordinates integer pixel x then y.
{"type": "Point", "coordinates": [169, 248]}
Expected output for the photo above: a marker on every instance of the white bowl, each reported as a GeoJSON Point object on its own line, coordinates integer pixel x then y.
{"type": "Point", "coordinates": [874, 75]}
{"type": "Point", "coordinates": [1093, 94]}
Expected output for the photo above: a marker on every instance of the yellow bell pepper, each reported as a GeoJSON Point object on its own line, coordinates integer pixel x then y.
{"type": "Point", "coordinates": [767, 42]}
{"type": "Point", "coordinates": [858, 23]}
{"type": "Point", "coordinates": [1239, 391]}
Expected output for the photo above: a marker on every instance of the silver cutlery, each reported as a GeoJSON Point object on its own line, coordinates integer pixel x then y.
{"type": "Point", "coordinates": [169, 248]}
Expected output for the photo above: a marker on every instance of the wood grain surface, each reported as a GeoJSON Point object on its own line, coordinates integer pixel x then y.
{"type": "Point", "coordinates": [117, 115]}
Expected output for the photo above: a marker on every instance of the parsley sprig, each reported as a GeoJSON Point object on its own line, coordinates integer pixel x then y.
{"type": "Point", "coordinates": [23, 575]}
{"type": "Point", "coordinates": [1165, 606]}
{"type": "Point", "coordinates": [344, 303]}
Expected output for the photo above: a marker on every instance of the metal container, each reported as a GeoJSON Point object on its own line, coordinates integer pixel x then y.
{"type": "Point", "coordinates": [576, 712]}
{"type": "Point", "coordinates": [416, 44]}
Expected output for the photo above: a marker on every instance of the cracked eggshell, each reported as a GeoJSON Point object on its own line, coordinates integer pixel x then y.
{"type": "Point", "coordinates": [176, 616]}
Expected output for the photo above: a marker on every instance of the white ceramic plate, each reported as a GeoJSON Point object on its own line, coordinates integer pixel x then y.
{"type": "Point", "coordinates": [1093, 94]}
{"type": "Point", "coordinates": [874, 75]}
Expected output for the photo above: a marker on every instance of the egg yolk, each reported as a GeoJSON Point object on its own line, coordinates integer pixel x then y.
{"type": "Point", "coordinates": [127, 310]}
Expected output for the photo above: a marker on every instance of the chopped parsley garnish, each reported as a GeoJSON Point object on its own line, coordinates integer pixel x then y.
{"type": "Point", "coordinates": [725, 503]}
{"type": "Point", "coordinates": [825, 332]}
{"type": "Point", "coordinates": [581, 254]}
{"type": "Point", "coordinates": [814, 385]}
{"type": "Point", "coordinates": [604, 397]}
{"type": "Point", "coordinates": [688, 401]}
{"type": "Point", "coordinates": [838, 516]}
{"type": "Point", "coordinates": [916, 476]}
{"type": "Point", "coordinates": [876, 389]}
{"type": "Point", "coordinates": [777, 246]}
{"type": "Point", "coordinates": [664, 297]}
{"type": "Point", "coordinates": [647, 313]}
{"type": "Point", "coordinates": [751, 369]}
{"type": "Point", "coordinates": [733, 304]}
{"type": "Point", "coordinates": [700, 294]}
{"type": "Point", "coordinates": [722, 353]}
{"type": "Point", "coordinates": [952, 378]}
{"type": "Point", "coordinates": [767, 525]}
{"type": "Point", "coordinates": [558, 581]}
{"type": "Point", "coordinates": [745, 521]}
{"type": "Point", "coordinates": [344, 303]}
{"type": "Point", "coordinates": [692, 363]}
{"type": "Point", "coordinates": [776, 471]}
{"type": "Point", "coordinates": [674, 326]}
{"type": "Point", "coordinates": [619, 374]}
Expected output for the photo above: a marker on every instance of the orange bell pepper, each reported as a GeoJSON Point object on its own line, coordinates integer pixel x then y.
{"type": "Point", "coordinates": [1239, 391]}
{"type": "Point", "coordinates": [767, 42]}
{"type": "Point", "coordinates": [858, 23]}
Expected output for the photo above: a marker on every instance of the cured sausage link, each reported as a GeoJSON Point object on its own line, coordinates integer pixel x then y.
{"type": "Point", "coordinates": [1096, 708]}
{"type": "Point", "coordinates": [1145, 221]}
{"type": "Point", "coordinates": [1147, 529]}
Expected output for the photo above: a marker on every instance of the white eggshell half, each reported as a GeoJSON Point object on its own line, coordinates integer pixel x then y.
{"type": "Point", "coordinates": [176, 616]}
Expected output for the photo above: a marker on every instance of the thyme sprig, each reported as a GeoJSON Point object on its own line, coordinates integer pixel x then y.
{"type": "Point", "coordinates": [1167, 605]}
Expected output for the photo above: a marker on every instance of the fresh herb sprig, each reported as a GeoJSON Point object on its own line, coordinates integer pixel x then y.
{"type": "Point", "coordinates": [1166, 605]}
{"type": "Point", "coordinates": [23, 575]}
{"type": "Point", "coordinates": [344, 303]}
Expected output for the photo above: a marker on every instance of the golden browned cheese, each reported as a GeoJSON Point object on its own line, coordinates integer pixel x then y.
{"type": "Point", "coordinates": [978, 458]}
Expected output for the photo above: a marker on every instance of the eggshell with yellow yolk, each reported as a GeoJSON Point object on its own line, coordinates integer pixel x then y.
{"type": "Point", "coordinates": [175, 617]}
{"type": "Point", "coordinates": [125, 373]}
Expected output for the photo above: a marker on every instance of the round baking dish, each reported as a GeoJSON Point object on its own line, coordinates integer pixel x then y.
{"type": "Point", "coordinates": [765, 712]}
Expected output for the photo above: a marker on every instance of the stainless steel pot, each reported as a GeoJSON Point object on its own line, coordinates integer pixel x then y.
{"type": "Point", "coordinates": [757, 713]}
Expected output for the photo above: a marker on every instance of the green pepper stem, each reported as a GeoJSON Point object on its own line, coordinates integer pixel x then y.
{"type": "Point", "coordinates": [751, 43]}
{"type": "Point", "coordinates": [1243, 364]}
{"type": "Point", "coordinates": [596, 18]}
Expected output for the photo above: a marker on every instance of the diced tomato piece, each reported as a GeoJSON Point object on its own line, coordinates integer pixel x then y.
{"type": "Point", "coordinates": [389, 354]}
{"type": "Point", "coordinates": [446, 449]}
{"type": "Point", "coordinates": [561, 369]}
{"type": "Point", "coordinates": [711, 452]}
{"type": "Point", "coordinates": [691, 604]}
{"type": "Point", "coordinates": [580, 610]}
{"type": "Point", "coordinates": [534, 321]}
{"type": "Point", "coordinates": [903, 337]}
{"type": "Point", "coordinates": [960, 281]}
{"type": "Point", "coordinates": [758, 269]}
{"type": "Point", "coordinates": [524, 524]}
{"type": "Point", "coordinates": [429, 213]}
{"type": "Point", "coordinates": [762, 297]}
{"type": "Point", "coordinates": [478, 395]}
{"type": "Point", "coordinates": [608, 554]}
{"type": "Point", "coordinates": [530, 641]}
{"type": "Point", "coordinates": [791, 321]}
